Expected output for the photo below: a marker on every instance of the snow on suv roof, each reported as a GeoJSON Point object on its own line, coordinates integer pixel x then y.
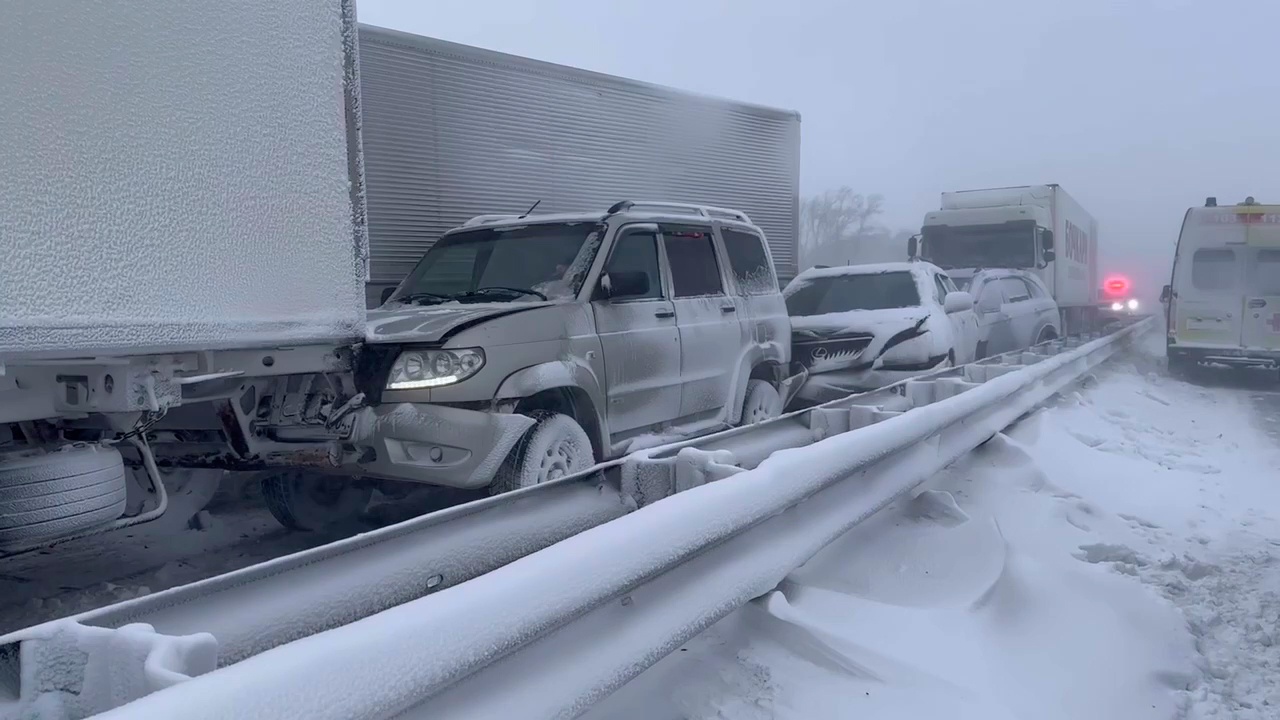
{"type": "Point", "coordinates": [649, 210]}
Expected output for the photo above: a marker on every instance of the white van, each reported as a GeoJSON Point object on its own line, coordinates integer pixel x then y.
{"type": "Point", "coordinates": [1224, 298]}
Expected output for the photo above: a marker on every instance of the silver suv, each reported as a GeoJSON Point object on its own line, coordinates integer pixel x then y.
{"type": "Point", "coordinates": [522, 349]}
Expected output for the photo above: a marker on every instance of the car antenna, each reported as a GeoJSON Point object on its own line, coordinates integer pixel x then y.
{"type": "Point", "coordinates": [531, 207]}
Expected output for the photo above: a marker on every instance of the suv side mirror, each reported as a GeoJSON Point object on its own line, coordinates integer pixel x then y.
{"type": "Point", "coordinates": [625, 284]}
{"type": "Point", "coordinates": [957, 301]}
{"type": "Point", "coordinates": [1166, 293]}
{"type": "Point", "coordinates": [1050, 256]}
{"type": "Point", "coordinates": [913, 246]}
{"type": "Point", "coordinates": [386, 295]}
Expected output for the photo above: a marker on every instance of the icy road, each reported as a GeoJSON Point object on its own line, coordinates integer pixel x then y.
{"type": "Point", "coordinates": [1114, 556]}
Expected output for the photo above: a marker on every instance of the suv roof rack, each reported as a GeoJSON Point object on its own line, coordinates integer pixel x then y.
{"type": "Point", "coordinates": [708, 211]}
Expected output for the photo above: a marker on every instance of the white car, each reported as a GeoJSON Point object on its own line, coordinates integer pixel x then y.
{"type": "Point", "coordinates": [862, 327]}
{"type": "Point", "coordinates": [1015, 309]}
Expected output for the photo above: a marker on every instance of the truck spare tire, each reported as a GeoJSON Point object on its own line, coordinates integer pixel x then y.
{"type": "Point", "coordinates": [48, 495]}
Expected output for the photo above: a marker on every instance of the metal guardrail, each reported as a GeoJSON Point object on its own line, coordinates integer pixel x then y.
{"type": "Point", "coordinates": [555, 631]}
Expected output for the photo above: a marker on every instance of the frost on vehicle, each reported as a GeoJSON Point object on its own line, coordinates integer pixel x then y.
{"type": "Point", "coordinates": [170, 186]}
{"type": "Point", "coordinates": [865, 326]}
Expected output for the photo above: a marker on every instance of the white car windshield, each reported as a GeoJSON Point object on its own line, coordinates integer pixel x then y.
{"type": "Point", "coordinates": [546, 261]}
{"type": "Point", "coordinates": [842, 293]}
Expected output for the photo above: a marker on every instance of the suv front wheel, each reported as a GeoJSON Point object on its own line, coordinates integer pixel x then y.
{"type": "Point", "coordinates": [555, 447]}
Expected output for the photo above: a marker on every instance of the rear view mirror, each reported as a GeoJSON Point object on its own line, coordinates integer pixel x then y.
{"type": "Point", "coordinates": [913, 246]}
{"type": "Point", "coordinates": [386, 295]}
{"type": "Point", "coordinates": [958, 301]}
{"type": "Point", "coordinates": [1166, 293]}
{"type": "Point", "coordinates": [626, 284]}
{"type": "Point", "coordinates": [1049, 256]}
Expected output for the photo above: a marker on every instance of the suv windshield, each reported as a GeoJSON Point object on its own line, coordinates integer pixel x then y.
{"type": "Point", "coordinates": [981, 246]}
{"type": "Point", "coordinates": [530, 263]}
{"type": "Point", "coordinates": [842, 293]}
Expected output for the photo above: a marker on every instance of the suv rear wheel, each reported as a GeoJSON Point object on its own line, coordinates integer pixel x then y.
{"type": "Point", "coordinates": [555, 447]}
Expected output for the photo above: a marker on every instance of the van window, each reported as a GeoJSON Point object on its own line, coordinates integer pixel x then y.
{"type": "Point", "coordinates": [749, 262]}
{"type": "Point", "coordinates": [1265, 273]}
{"type": "Point", "coordinates": [692, 256]}
{"type": "Point", "coordinates": [1214, 269]}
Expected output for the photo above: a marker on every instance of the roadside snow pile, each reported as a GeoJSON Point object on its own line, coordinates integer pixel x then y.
{"type": "Point", "coordinates": [1106, 559]}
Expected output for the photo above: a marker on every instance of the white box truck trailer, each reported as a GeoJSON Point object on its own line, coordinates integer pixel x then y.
{"type": "Point", "coordinates": [1039, 228]}
{"type": "Point", "coordinates": [181, 211]}
{"type": "Point", "coordinates": [452, 132]}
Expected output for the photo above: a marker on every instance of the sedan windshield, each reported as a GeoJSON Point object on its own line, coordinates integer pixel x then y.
{"type": "Point", "coordinates": [532, 262]}
{"type": "Point", "coordinates": [842, 293]}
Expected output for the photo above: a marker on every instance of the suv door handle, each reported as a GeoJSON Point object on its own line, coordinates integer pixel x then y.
{"type": "Point", "coordinates": [664, 314]}
{"type": "Point", "coordinates": [728, 309]}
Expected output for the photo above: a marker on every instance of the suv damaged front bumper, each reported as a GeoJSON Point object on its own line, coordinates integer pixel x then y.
{"type": "Point", "coordinates": [434, 444]}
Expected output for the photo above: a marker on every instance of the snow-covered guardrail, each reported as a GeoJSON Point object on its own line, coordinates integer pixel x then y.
{"type": "Point", "coordinates": [551, 633]}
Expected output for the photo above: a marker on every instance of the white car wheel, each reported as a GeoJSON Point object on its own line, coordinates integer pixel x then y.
{"type": "Point", "coordinates": [45, 496]}
{"type": "Point", "coordinates": [761, 403]}
{"type": "Point", "coordinates": [555, 447]}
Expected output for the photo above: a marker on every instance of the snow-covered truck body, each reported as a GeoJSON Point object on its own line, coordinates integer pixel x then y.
{"type": "Point", "coordinates": [452, 132]}
{"type": "Point", "coordinates": [182, 212]}
{"type": "Point", "coordinates": [1039, 228]}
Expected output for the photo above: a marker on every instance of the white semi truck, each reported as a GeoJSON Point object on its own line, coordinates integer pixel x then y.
{"type": "Point", "coordinates": [196, 216]}
{"type": "Point", "coordinates": [182, 217]}
{"type": "Point", "coordinates": [1039, 228]}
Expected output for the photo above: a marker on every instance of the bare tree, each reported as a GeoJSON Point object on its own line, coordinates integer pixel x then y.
{"type": "Point", "coordinates": [833, 223]}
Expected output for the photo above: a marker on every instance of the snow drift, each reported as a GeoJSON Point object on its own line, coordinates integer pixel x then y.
{"type": "Point", "coordinates": [178, 175]}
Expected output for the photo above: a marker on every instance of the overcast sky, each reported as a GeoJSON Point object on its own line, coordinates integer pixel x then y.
{"type": "Point", "coordinates": [1138, 108]}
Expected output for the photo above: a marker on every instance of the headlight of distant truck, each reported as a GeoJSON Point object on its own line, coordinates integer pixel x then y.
{"type": "Point", "coordinates": [416, 369]}
{"type": "Point", "coordinates": [1133, 304]}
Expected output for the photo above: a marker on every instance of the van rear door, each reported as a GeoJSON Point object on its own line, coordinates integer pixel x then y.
{"type": "Point", "coordinates": [1209, 278]}
{"type": "Point", "coordinates": [1261, 326]}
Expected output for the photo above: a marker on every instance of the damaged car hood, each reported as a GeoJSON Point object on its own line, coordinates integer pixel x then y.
{"type": "Point", "coordinates": [434, 323]}
{"type": "Point", "coordinates": [853, 340]}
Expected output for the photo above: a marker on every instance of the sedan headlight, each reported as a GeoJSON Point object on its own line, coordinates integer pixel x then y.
{"type": "Point", "coordinates": [416, 369]}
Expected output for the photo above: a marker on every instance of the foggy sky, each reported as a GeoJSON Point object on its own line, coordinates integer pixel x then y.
{"type": "Point", "coordinates": [1139, 109]}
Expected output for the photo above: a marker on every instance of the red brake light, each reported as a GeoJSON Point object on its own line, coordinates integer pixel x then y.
{"type": "Point", "coordinates": [1116, 285]}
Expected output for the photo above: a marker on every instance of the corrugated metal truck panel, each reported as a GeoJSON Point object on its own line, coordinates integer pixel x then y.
{"type": "Point", "coordinates": [452, 131]}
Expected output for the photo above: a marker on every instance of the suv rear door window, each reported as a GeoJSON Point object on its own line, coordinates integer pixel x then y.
{"type": "Point", "coordinates": [691, 252]}
{"type": "Point", "coordinates": [1015, 290]}
{"type": "Point", "coordinates": [749, 262]}
{"type": "Point", "coordinates": [1214, 269]}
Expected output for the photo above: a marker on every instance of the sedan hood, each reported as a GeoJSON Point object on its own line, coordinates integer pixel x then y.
{"type": "Point", "coordinates": [435, 323]}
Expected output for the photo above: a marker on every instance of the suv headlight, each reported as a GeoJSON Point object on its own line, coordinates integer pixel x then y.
{"type": "Point", "coordinates": [415, 369]}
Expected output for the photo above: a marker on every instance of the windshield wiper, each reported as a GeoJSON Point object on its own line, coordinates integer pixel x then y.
{"type": "Point", "coordinates": [501, 289]}
{"type": "Point", "coordinates": [418, 296]}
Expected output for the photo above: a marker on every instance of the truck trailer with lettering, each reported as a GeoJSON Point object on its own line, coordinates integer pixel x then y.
{"type": "Point", "coordinates": [1039, 228]}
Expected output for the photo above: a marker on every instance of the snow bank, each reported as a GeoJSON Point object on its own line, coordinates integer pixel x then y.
{"type": "Point", "coordinates": [176, 176]}
{"type": "Point", "coordinates": [1113, 557]}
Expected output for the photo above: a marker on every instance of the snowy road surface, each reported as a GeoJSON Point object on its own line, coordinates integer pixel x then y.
{"type": "Point", "coordinates": [1112, 557]}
